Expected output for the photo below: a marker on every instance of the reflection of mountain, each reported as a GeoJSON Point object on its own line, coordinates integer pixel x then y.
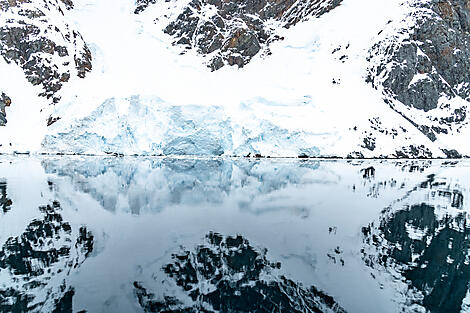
{"type": "Point", "coordinates": [5, 202]}
{"type": "Point", "coordinates": [428, 243]}
{"type": "Point", "coordinates": [152, 184]}
{"type": "Point", "coordinates": [35, 264]}
{"type": "Point", "coordinates": [227, 274]}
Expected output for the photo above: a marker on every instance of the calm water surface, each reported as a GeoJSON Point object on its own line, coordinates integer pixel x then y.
{"type": "Point", "coordinates": [93, 234]}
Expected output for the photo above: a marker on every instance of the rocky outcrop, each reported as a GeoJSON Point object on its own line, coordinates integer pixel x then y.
{"type": "Point", "coordinates": [36, 36]}
{"type": "Point", "coordinates": [233, 32]}
{"type": "Point", "coordinates": [5, 101]}
{"type": "Point", "coordinates": [227, 274]}
{"type": "Point", "coordinates": [426, 66]}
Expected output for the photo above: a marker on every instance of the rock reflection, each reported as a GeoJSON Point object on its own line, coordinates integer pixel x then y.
{"type": "Point", "coordinates": [34, 265]}
{"type": "Point", "coordinates": [227, 274]}
{"type": "Point", "coordinates": [308, 213]}
{"type": "Point", "coordinates": [428, 243]}
{"type": "Point", "coordinates": [5, 202]}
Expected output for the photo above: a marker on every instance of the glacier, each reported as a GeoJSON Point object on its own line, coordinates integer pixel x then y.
{"type": "Point", "coordinates": [149, 126]}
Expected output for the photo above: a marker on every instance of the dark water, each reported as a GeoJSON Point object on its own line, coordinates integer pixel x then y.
{"type": "Point", "coordinates": [233, 235]}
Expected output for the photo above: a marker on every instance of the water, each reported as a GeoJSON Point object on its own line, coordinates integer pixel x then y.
{"type": "Point", "coordinates": [89, 234]}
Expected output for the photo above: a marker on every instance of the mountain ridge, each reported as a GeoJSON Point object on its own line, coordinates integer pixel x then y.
{"type": "Point", "coordinates": [157, 80]}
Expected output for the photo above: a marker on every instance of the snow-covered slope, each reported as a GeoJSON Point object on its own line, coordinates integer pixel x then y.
{"type": "Point", "coordinates": [316, 78]}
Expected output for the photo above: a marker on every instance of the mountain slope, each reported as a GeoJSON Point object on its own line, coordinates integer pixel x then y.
{"type": "Point", "coordinates": [316, 78]}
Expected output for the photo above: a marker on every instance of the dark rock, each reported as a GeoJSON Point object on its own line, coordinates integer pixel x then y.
{"type": "Point", "coordinates": [355, 155]}
{"type": "Point", "coordinates": [435, 263]}
{"type": "Point", "coordinates": [452, 154]}
{"type": "Point", "coordinates": [369, 143]}
{"type": "Point", "coordinates": [238, 31]}
{"type": "Point", "coordinates": [430, 67]}
{"type": "Point", "coordinates": [368, 172]}
{"type": "Point", "coordinates": [64, 304]}
{"type": "Point", "coordinates": [5, 101]}
{"type": "Point", "coordinates": [413, 152]}
{"type": "Point", "coordinates": [22, 43]}
{"type": "Point", "coordinates": [68, 4]}
{"type": "Point", "coordinates": [5, 202]}
{"type": "Point", "coordinates": [3, 119]}
{"type": "Point", "coordinates": [51, 120]}
{"type": "Point", "coordinates": [438, 47]}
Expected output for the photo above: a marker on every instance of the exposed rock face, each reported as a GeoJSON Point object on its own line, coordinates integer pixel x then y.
{"type": "Point", "coordinates": [5, 101]}
{"type": "Point", "coordinates": [426, 244]}
{"type": "Point", "coordinates": [236, 278]}
{"type": "Point", "coordinates": [426, 66]}
{"type": "Point", "coordinates": [37, 262]}
{"type": "Point", "coordinates": [233, 32]}
{"type": "Point", "coordinates": [413, 152]}
{"type": "Point", "coordinates": [36, 36]}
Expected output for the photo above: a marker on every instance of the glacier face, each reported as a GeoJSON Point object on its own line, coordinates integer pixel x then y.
{"type": "Point", "coordinates": [382, 86]}
{"type": "Point", "coordinates": [147, 125]}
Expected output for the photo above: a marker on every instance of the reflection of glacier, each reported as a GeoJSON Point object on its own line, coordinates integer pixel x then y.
{"type": "Point", "coordinates": [256, 185]}
{"type": "Point", "coordinates": [154, 183]}
{"type": "Point", "coordinates": [425, 239]}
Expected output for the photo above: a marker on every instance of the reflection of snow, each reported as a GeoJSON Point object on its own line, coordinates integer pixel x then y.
{"type": "Point", "coordinates": [415, 233]}
{"type": "Point", "coordinates": [142, 210]}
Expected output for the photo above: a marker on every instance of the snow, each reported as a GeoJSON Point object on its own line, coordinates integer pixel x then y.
{"type": "Point", "coordinates": [419, 77]}
{"type": "Point", "coordinates": [271, 107]}
{"type": "Point", "coordinates": [415, 233]}
{"type": "Point", "coordinates": [26, 126]}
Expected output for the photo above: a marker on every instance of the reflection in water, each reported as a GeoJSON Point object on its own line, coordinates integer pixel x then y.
{"type": "Point", "coordinates": [145, 235]}
{"type": "Point", "coordinates": [45, 252]}
{"type": "Point", "coordinates": [5, 202]}
{"type": "Point", "coordinates": [226, 274]}
{"type": "Point", "coordinates": [429, 243]}
{"type": "Point", "coordinates": [153, 184]}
